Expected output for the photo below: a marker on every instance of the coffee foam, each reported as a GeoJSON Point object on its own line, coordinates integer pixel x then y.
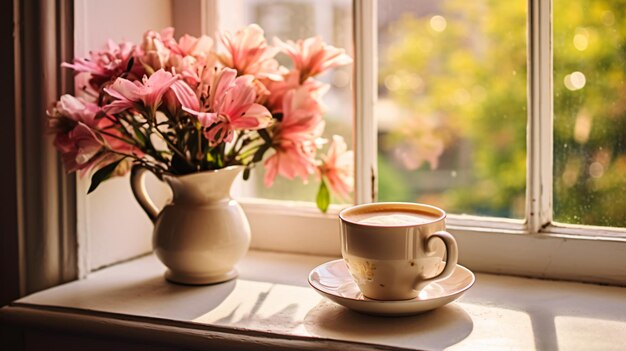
{"type": "Point", "coordinates": [395, 219]}
{"type": "Point", "coordinates": [390, 216]}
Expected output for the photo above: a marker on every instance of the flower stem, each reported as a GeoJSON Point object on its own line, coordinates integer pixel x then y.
{"type": "Point", "coordinates": [152, 120]}
{"type": "Point", "coordinates": [127, 141]}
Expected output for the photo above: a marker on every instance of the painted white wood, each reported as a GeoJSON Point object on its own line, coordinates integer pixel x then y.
{"type": "Point", "coordinates": [111, 226]}
{"type": "Point", "coordinates": [293, 227]}
{"type": "Point", "coordinates": [554, 256]}
{"type": "Point", "coordinates": [365, 95]}
{"type": "Point", "coordinates": [539, 147]}
{"type": "Point", "coordinates": [271, 301]}
{"type": "Point", "coordinates": [587, 230]}
{"type": "Point", "coordinates": [60, 329]}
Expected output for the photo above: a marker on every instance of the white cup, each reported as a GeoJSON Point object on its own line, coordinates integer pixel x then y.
{"type": "Point", "coordinates": [394, 249]}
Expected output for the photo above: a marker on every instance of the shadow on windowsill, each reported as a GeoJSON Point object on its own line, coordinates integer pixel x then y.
{"type": "Point", "coordinates": [434, 330]}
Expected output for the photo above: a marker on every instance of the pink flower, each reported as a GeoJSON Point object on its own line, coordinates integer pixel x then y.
{"type": "Point", "coordinates": [247, 52]}
{"type": "Point", "coordinates": [185, 95]}
{"type": "Point", "coordinates": [69, 111]}
{"type": "Point", "coordinates": [83, 149]}
{"type": "Point", "coordinates": [231, 106]}
{"type": "Point", "coordinates": [106, 64]}
{"type": "Point", "coordinates": [73, 121]}
{"type": "Point", "coordinates": [197, 75]}
{"type": "Point", "coordinates": [79, 148]}
{"type": "Point", "coordinates": [338, 168]}
{"type": "Point", "coordinates": [190, 56]}
{"type": "Point", "coordinates": [291, 160]}
{"type": "Point", "coordinates": [294, 138]}
{"type": "Point", "coordinates": [312, 56]}
{"type": "Point", "coordinates": [149, 92]}
{"type": "Point", "coordinates": [155, 53]}
{"type": "Point", "coordinates": [191, 46]}
{"type": "Point", "coordinates": [302, 116]}
{"type": "Point", "coordinates": [78, 138]}
{"type": "Point", "coordinates": [291, 80]}
{"type": "Point", "coordinates": [167, 36]}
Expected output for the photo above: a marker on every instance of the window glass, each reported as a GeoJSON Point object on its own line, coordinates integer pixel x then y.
{"type": "Point", "coordinates": [293, 20]}
{"type": "Point", "coordinates": [589, 112]}
{"type": "Point", "coordinates": [452, 107]}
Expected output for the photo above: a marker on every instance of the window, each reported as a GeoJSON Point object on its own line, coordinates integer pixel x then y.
{"type": "Point", "coordinates": [589, 113]}
{"type": "Point", "coordinates": [293, 20]}
{"type": "Point", "coordinates": [452, 104]}
{"type": "Point", "coordinates": [479, 78]}
{"type": "Point", "coordinates": [509, 227]}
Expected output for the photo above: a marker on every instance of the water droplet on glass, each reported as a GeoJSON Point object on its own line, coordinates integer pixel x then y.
{"type": "Point", "coordinates": [596, 170]}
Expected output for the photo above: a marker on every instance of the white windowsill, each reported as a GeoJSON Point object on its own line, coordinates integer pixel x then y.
{"type": "Point", "coordinates": [272, 306]}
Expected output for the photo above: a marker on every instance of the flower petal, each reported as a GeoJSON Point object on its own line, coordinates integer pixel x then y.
{"type": "Point", "coordinates": [185, 95]}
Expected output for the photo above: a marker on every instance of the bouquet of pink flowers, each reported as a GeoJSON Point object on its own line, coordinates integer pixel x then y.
{"type": "Point", "coordinates": [183, 106]}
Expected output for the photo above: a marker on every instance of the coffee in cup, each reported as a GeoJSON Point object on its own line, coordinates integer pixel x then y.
{"type": "Point", "coordinates": [394, 249]}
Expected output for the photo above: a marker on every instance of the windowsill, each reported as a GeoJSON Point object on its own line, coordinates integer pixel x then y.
{"type": "Point", "coordinates": [271, 305]}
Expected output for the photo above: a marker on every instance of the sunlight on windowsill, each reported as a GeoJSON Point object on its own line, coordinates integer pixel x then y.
{"type": "Point", "coordinates": [271, 295]}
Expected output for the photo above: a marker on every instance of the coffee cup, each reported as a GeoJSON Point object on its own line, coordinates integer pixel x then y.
{"type": "Point", "coordinates": [395, 249]}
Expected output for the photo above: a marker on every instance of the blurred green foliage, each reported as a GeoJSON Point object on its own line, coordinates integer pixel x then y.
{"type": "Point", "coordinates": [468, 74]}
{"type": "Point", "coordinates": [590, 123]}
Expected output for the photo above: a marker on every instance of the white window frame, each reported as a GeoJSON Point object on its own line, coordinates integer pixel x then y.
{"type": "Point", "coordinates": [534, 247]}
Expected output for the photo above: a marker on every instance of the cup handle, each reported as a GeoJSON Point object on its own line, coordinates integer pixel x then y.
{"type": "Point", "coordinates": [138, 185]}
{"type": "Point", "coordinates": [451, 260]}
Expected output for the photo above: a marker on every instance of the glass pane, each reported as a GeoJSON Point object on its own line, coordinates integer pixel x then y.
{"type": "Point", "coordinates": [293, 20]}
{"type": "Point", "coordinates": [452, 104]}
{"type": "Point", "coordinates": [590, 112]}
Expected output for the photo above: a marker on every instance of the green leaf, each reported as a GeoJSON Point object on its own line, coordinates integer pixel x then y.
{"type": "Point", "coordinates": [102, 174]}
{"type": "Point", "coordinates": [139, 135]}
{"type": "Point", "coordinates": [323, 197]}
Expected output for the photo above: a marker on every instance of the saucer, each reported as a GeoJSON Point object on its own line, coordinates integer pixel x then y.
{"type": "Point", "coordinates": [333, 280]}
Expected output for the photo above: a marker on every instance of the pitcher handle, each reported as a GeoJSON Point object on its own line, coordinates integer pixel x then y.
{"type": "Point", "coordinates": [451, 259]}
{"type": "Point", "coordinates": [138, 184]}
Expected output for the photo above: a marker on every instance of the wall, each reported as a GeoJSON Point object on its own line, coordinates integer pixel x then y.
{"type": "Point", "coordinates": [111, 226]}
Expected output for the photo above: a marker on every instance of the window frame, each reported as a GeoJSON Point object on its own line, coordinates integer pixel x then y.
{"type": "Point", "coordinates": [534, 247]}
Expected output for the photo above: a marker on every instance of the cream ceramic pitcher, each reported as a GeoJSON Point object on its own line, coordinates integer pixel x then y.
{"type": "Point", "coordinates": [202, 232]}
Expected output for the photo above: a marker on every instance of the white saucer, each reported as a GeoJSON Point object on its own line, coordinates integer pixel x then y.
{"type": "Point", "coordinates": [333, 280]}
